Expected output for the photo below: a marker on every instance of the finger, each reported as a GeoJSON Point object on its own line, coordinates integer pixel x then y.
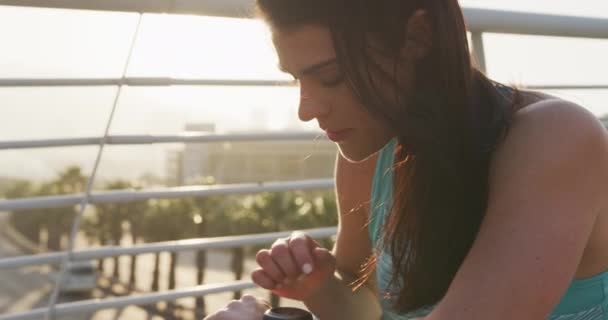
{"type": "Point", "coordinates": [283, 257]}
{"type": "Point", "coordinates": [260, 278]}
{"type": "Point", "coordinates": [324, 257]}
{"type": "Point", "coordinates": [265, 303]}
{"type": "Point", "coordinates": [220, 314]}
{"type": "Point", "coordinates": [254, 302]}
{"type": "Point", "coordinates": [267, 263]}
{"type": "Point", "coordinates": [263, 306]}
{"type": "Point", "coordinates": [301, 246]}
{"type": "Point", "coordinates": [234, 305]}
{"type": "Point", "coordinates": [247, 298]}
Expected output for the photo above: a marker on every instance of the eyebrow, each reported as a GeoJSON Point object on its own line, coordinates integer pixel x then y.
{"type": "Point", "coordinates": [315, 67]}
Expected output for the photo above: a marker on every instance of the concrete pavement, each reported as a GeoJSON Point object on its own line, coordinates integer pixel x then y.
{"type": "Point", "coordinates": [20, 289]}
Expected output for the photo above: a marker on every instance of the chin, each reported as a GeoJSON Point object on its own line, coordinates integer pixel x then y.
{"type": "Point", "coordinates": [355, 156]}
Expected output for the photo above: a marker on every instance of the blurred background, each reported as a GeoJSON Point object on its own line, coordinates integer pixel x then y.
{"type": "Point", "coordinates": [235, 89]}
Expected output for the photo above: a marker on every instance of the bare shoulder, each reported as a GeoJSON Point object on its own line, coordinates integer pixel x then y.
{"type": "Point", "coordinates": [550, 126]}
{"type": "Point", "coordinates": [548, 130]}
{"type": "Point", "coordinates": [558, 114]}
{"type": "Point", "coordinates": [545, 192]}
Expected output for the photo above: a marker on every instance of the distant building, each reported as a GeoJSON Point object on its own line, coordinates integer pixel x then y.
{"type": "Point", "coordinates": [253, 161]}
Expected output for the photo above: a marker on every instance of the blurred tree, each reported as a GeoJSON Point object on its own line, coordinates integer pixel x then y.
{"type": "Point", "coordinates": [167, 219]}
{"type": "Point", "coordinates": [27, 222]}
{"type": "Point", "coordinates": [58, 221]}
{"type": "Point", "coordinates": [109, 221]}
{"type": "Point", "coordinates": [209, 217]}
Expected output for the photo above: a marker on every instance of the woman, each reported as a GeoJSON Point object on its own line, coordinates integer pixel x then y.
{"type": "Point", "coordinates": [459, 198]}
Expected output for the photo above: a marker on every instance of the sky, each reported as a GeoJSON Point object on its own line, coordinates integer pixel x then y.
{"type": "Point", "coordinates": [54, 43]}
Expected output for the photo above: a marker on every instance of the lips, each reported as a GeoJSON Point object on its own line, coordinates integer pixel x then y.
{"type": "Point", "coordinates": [337, 136]}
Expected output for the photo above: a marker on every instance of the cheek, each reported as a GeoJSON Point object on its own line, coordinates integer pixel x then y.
{"type": "Point", "coordinates": [344, 99]}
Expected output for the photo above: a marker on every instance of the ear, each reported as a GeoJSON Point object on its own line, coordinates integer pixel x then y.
{"type": "Point", "coordinates": [418, 36]}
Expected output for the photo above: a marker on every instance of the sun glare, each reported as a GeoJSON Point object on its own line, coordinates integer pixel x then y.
{"type": "Point", "coordinates": [207, 47]}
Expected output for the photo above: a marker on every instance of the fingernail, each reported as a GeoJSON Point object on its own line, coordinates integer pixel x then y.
{"type": "Point", "coordinates": [307, 268]}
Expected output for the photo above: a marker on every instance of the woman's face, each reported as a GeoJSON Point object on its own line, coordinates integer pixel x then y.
{"type": "Point", "coordinates": [308, 54]}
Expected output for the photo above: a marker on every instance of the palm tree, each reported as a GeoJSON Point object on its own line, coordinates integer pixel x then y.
{"type": "Point", "coordinates": [134, 218]}
{"type": "Point", "coordinates": [109, 221]}
{"type": "Point", "coordinates": [27, 222]}
{"type": "Point", "coordinates": [315, 209]}
{"type": "Point", "coordinates": [153, 228]}
{"type": "Point", "coordinates": [181, 211]}
{"type": "Point", "coordinates": [58, 221]}
{"type": "Point", "coordinates": [207, 211]}
{"type": "Point", "coordinates": [167, 219]}
{"type": "Point", "coordinates": [95, 230]}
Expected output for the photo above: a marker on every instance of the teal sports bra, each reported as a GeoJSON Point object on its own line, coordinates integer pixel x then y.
{"type": "Point", "coordinates": [585, 299]}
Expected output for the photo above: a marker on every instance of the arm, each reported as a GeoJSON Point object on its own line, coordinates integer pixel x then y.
{"type": "Point", "coordinates": [547, 181]}
{"type": "Point", "coordinates": [352, 248]}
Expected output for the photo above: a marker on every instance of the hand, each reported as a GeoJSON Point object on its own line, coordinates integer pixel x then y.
{"type": "Point", "coordinates": [248, 308]}
{"type": "Point", "coordinates": [295, 267]}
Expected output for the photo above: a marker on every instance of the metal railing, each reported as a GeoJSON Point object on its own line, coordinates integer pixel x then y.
{"type": "Point", "coordinates": [143, 299]}
{"type": "Point", "coordinates": [138, 82]}
{"type": "Point", "coordinates": [162, 193]}
{"type": "Point", "coordinates": [479, 22]}
{"type": "Point", "coordinates": [169, 246]}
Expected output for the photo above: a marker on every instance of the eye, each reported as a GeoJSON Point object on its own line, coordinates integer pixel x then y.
{"type": "Point", "coordinates": [330, 76]}
{"type": "Point", "coordinates": [332, 82]}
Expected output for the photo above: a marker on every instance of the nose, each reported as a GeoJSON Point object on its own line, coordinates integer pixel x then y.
{"type": "Point", "coordinates": [310, 108]}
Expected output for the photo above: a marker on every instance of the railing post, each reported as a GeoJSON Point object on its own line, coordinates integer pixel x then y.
{"type": "Point", "coordinates": [478, 50]}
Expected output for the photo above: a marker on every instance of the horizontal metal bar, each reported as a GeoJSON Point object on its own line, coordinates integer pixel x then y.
{"type": "Point", "coordinates": [478, 20]}
{"type": "Point", "coordinates": [152, 139]}
{"type": "Point", "coordinates": [168, 246]}
{"type": "Point", "coordinates": [30, 260]}
{"type": "Point", "coordinates": [164, 193]}
{"type": "Point", "coordinates": [499, 21]}
{"type": "Point", "coordinates": [89, 306]}
{"type": "Point", "coordinates": [566, 87]}
{"type": "Point", "coordinates": [41, 202]}
{"type": "Point", "coordinates": [137, 82]}
{"type": "Point", "coordinates": [230, 8]}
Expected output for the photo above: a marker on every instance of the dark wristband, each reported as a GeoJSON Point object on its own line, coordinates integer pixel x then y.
{"type": "Point", "coordinates": [285, 313]}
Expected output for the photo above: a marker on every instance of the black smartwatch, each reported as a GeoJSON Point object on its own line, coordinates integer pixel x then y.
{"type": "Point", "coordinates": [285, 313]}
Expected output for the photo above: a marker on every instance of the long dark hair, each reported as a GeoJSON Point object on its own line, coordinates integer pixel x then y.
{"type": "Point", "coordinates": [446, 129]}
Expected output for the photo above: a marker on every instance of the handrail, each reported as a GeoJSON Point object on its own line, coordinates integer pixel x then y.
{"type": "Point", "coordinates": [193, 137]}
{"type": "Point", "coordinates": [159, 82]}
{"type": "Point", "coordinates": [567, 87]}
{"type": "Point", "coordinates": [171, 246]}
{"type": "Point", "coordinates": [162, 193]}
{"type": "Point", "coordinates": [143, 299]}
{"type": "Point", "coordinates": [478, 20]}
{"type": "Point", "coordinates": [516, 22]}
{"type": "Point", "coordinates": [167, 246]}
{"type": "Point", "coordinates": [226, 8]}
{"type": "Point", "coordinates": [137, 82]}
